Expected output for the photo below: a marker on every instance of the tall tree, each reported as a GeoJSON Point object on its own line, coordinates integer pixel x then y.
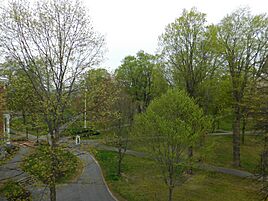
{"type": "Point", "coordinates": [101, 92]}
{"type": "Point", "coordinates": [172, 122]}
{"type": "Point", "coordinates": [258, 111]}
{"type": "Point", "coordinates": [21, 97]}
{"type": "Point", "coordinates": [187, 47]}
{"type": "Point", "coordinates": [243, 40]}
{"type": "Point", "coordinates": [142, 78]}
{"type": "Point", "coordinates": [53, 42]}
{"type": "Point", "coordinates": [123, 110]}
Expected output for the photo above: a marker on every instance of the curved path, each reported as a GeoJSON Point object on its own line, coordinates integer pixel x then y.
{"type": "Point", "coordinates": [90, 186]}
{"type": "Point", "coordinates": [11, 168]}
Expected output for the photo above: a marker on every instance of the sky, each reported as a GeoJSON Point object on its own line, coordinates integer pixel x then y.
{"type": "Point", "coordinates": [133, 25]}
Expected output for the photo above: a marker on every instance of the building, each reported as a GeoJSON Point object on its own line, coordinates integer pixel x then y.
{"type": "Point", "coordinates": [4, 115]}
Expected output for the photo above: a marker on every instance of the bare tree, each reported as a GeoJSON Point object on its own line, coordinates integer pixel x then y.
{"type": "Point", "coordinates": [54, 44]}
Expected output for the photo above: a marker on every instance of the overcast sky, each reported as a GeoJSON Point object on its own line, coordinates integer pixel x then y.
{"type": "Point", "coordinates": [133, 25]}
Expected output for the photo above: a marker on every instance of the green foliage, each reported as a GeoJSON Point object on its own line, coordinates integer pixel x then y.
{"type": "Point", "coordinates": [215, 99]}
{"type": "Point", "coordinates": [142, 182]}
{"type": "Point", "coordinates": [173, 123]}
{"type": "Point", "coordinates": [242, 39]}
{"type": "Point", "coordinates": [39, 164]}
{"type": "Point", "coordinates": [174, 117]}
{"type": "Point", "coordinates": [109, 160]}
{"type": "Point", "coordinates": [15, 192]}
{"type": "Point", "coordinates": [21, 95]}
{"type": "Point", "coordinates": [142, 78]}
{"type": "Point", "coordinates": [188, 48]}
{"type": "Point", "coordinates": [101, 91]}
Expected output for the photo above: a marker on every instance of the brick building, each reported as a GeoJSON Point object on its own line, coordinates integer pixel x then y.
{"type": "Point", "coordinates": [4, 116]}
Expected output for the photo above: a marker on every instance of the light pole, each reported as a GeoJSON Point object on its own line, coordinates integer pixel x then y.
{"type": "Point", "coordinates": [85, 111]}
{"type": "Point", "coordinates": [7, 127]}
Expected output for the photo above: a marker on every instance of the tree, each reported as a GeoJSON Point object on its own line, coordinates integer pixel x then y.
{"type": "Point", "coordinates": [123, 110]}
{"type": "Point", "coordinates": [258, 112]}
{"type": "Point", "coordinates": [142, 79]}
{"type": "Point", "coordinates": [54, 43]}
{"type": "Point", "coordinates": [187, 47]}
{"type": "Point", "coordinates": [172, 122]}
{"type": "Point", "coordinates": [216, 100]}
{"type": "Point", "coordinates": [100, 91]}
{"type": "Point", "coordinates": [21, 97]}
{"type": "Point", "coordinates": [243, 41]}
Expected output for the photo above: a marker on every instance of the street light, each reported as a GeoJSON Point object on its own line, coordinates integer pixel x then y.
{"type": "Point", "coordinates": [85, 112]}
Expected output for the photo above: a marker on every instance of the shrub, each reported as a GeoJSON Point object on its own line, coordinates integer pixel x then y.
{"type": "Point", "coordinates": [39, 164]}
{"type": "Point", "coordinates": [13, 191]}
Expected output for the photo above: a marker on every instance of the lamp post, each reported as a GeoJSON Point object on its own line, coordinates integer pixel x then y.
{"type": "Point", "coordinates": [7, 127]}
{"type": "Point", "coordinates": [85, 112]}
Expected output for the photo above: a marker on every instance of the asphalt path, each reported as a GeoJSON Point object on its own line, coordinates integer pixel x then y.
{"type": "Point", "coordinates": [11, 168]}
{"type": "Point", "coordinates": [89, 186]}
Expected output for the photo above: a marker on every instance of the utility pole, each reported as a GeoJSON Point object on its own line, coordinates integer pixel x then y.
{"type": "Point", "coordinates": [85, 111]}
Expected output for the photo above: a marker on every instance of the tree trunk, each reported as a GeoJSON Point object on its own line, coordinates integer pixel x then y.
{"type": "Point", "coordinates": [37, 135]}
{"type": "Point", "coordinates": [52, 189]}
{"type": "Point", "coordinates": [236, 137]}
{"type": "Point", "coordinates": [52, 186]}
{"type": "Point", "coordinates": [119, 162]}
{"type": "Point", "coordinates": [24, 123]}
{"type": "Point", "coordinates": [243, 129]}
{"type": "Point", "coordinates": [264, 160]}
{"type": "Point", "coordinates": [170, 193]}
{"type": "Point", "coordinates": [190, 156]}
{"type": "Point", "coordinates": [218, 124]}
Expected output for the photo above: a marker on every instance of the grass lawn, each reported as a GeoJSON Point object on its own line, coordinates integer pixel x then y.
{"type": "Point", "coordinates": [142, 181]}
{"type": "Point", "coordinates": [221, 153]}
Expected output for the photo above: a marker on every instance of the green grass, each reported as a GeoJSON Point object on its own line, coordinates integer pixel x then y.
{"type": "Point", "coordinates": [226, 123]}
{"type": "Point", "coordinates": [142, 181]}
{"type": "Point", "coordinates": [221, 152]}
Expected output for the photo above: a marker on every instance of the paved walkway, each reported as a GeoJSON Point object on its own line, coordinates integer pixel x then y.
{"type": "Point", "coordinates": [208, 167]}
{"type": "Point", "coordinates": [90, 186]}
{"type": "Point", "coordinates": [11, 168]}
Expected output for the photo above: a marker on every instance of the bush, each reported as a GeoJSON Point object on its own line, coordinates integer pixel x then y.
{"type": "Point", "coordinates": [15, 192]}
{"type": "Point", "coordinates": [85, 132]}
{"type": "Point", "coordinates": [39, 164]}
